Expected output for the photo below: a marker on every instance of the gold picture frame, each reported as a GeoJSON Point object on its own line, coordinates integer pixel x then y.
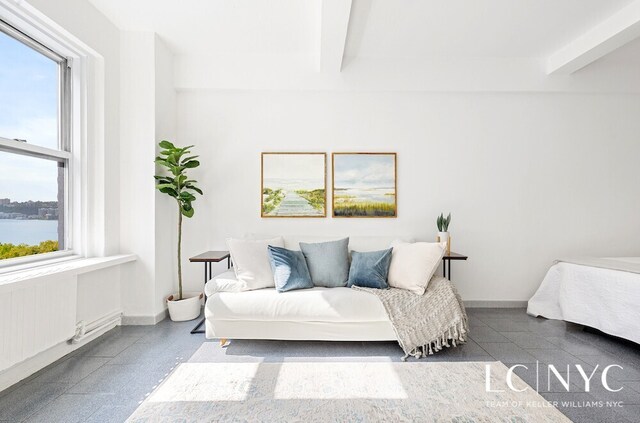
{"type": "Point", "coordinates": [291, 186]}
{"type": "Point", "coordinates": [365, 196]}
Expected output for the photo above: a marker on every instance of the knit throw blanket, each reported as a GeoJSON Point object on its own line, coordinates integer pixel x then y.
{"type": "Point", "coordinates": [425, 323]}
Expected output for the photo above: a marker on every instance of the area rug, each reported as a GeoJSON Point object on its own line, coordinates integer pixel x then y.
{"type": "Point", "coordinates": [343, 392]}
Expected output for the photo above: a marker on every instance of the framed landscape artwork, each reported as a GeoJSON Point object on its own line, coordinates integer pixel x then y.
{"type": "Point", "coordinates": [294, 185]}
{"type": "Point", "coordinates": [364, 185]}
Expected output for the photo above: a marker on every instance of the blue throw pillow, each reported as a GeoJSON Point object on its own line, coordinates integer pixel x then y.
{"type": "Point", "coordinates": [370, 269]}
{"type": "Point", "coordinates": [328, 262]}
{"type": "Point", "coordinates": [289, 269]}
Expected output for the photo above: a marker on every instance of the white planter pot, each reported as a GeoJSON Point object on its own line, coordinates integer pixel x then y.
{"type": "Point", "coordinates": [186, 309]}
{"type": "Point", "coordinates": [444, 237]}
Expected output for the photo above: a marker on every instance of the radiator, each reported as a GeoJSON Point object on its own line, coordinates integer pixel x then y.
{"type": "Point", "coordinates": [35, 316]}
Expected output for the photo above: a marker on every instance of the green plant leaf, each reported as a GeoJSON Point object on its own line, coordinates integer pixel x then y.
{"type": "Point", "coordinates": [196, 189]}
{"type": "Point", "coordinates": [186, 159]}
{"type": "Point", "coordinates": [191, 164]}
{"type": "Point", "coordinates": [159, 186]}
{"type": "Point", "coordinates": [169, 191]}
{"type": "Point", "coordinates": [187, 212]}
{"type": "Point", "coordinates": [166, 144]}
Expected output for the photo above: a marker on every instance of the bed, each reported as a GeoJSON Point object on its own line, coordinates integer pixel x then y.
{"type": "Point", "coordinates": [603, 293]}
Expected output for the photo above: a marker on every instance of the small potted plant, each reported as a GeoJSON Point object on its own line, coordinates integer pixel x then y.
{"type": "Point", "coordinates": [175, 183]}
{"type": "Point", "coordinates": [443, 229]}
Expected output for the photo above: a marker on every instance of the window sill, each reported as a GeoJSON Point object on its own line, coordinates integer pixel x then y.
{"type": "Point", "coordinates": [70, 266]}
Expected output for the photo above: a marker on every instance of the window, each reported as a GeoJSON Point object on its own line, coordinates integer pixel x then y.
{"type": "Point", "coordinates": [35, 148]}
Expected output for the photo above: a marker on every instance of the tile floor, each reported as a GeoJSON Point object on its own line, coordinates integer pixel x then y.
{"type": "Point", "coordinates": [106, 380]}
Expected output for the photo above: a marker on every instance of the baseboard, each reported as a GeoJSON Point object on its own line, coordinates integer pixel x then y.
{"type": "Point", "coordinates": [142, 320]}
{"type": "Point", "coordinates": [495, 304]}
{"type": "Point", "coordinates": [28, 367]}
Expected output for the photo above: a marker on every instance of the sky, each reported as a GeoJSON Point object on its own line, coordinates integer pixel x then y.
{"type": "Point", "coordinates": [294, 171]}
{"type": "Point", "coordinates": [28, 110]}
{"type": "Point", "coordinates": [364, 170]}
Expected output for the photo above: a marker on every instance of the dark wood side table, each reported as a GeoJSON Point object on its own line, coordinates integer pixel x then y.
{"type": "Point", "coordinates": [208, 258]}
{"type": "Point", "coordinates": [446, 263]}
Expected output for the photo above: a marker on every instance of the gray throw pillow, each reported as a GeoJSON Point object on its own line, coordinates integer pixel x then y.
{"type": "Point", "coordinates": [328, 262]}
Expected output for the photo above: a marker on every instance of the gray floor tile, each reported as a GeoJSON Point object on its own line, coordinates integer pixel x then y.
{"type": "Point", "coordinates": [69, 408]}
{"type": "Point", "coordinates": [19, 403]}
{"type": "Point", "coordinates": [111, 376]}
{"type": "Point", "coordinates": [528, 340]}
{"type": "Point", "coordinates": [507, 325]}
{"type": "Point", "coordinates": [486, 334]}
{"type": "Point", "coordinates": [605, 343]}
{"type": "Point", "coordinates": [550, 327]}
{"type": "Point", "coordinates": [635, 385]}
{"type": "Point", "coordinates": [112, 414]}
{"type": "Point", "coordinates": [630, 371]}
{"type": "Point", "coordinates": [72, 370]}
{"type": "Point", "coordinates": [627, 395]}
{"type": "Point", "coordinates": [110, 346]}
{"type": "Point", "coordinates": [140, 353]}
{"type": "Point", "coordinates": [630, 412]}
{"type": "Point", "coordinates": [507, 352]}
{"type": "Point", "coordinates": [109, 379]}
{"type": "Point", "coordinates": [557, 357]}
{"type": "Point", "coordinates": [574, 345]}
{"type": "Point", "coordinates": [476, 323]}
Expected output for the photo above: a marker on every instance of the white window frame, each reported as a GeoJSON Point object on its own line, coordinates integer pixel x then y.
{"type": "Point", "coordinates": [84, 191]}
{"type": "Point", "coordinates": [60, 155]}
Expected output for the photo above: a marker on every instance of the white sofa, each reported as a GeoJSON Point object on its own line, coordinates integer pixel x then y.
{"type": "Point", "coordinates": [329, 314]}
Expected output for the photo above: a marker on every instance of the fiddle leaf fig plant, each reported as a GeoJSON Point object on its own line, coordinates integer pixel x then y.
{"type": "Point", "coordinates": [443, 222]}
{"type": "Point", "coordinates": [175, 183]}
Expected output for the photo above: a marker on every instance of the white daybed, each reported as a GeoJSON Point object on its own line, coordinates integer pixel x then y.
{"type": "Point", "coordinates": [329, 314]}
{"type": "Point", "coordinates": [602, 293]}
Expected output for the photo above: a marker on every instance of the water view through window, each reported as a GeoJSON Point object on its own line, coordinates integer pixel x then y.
{"type": "Point", "coordinates": [31, 187]}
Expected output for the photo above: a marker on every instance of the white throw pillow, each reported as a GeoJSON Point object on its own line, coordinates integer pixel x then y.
{"type": "Point", "coordinates": [413, 264]}
{"type": "Point", "coordinates": [251, 261]}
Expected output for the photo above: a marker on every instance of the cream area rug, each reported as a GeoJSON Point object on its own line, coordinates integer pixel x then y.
{"type": "Point", "coordinates": [343, 392]}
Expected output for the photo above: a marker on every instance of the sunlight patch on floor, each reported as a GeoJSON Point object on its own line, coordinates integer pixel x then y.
{"type": "Point", "coordinates": [326, 380]}
{"type": "Point", "coordinates": [207, 382]}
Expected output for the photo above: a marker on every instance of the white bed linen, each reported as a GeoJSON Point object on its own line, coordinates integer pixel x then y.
{"type": "Point", "coordinates": [605, 299]}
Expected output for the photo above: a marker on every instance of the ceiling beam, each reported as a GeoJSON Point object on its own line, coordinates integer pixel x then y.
{"type": "Point", "coordinates": [599, 41]}
{"type": "Point", "coordinates": [334, 23]}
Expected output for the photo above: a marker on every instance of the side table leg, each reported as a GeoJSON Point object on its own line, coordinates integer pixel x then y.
{"type": "Point", "coordinates": [207, 276]}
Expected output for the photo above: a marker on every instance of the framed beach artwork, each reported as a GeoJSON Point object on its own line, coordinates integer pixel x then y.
{"type": "Point", "coordinates": [364, 185]}
{"type": "Point", "coordinates": [294, 185]}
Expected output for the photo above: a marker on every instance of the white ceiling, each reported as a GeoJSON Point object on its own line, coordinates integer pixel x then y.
{"type": "Point", "coordinates": [265, 43]}
{"type": "Point", "coordinates": [472, 28]}
{"type": "Point", "coordinates": [377, 28]}
{"type": "Point", "coordinates": [241, 27]}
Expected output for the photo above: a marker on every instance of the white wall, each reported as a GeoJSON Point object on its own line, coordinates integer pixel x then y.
{"type": "Point", "coordinates": [527, 177]}
{"type": "Point", "coordinates": [148, 220]}
{"type": "Point", "coordinates": [137, 120]}
{"type": "Point", "coordinates": [166, 210]}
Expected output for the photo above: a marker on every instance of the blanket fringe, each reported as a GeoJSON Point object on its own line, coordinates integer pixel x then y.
{"type": "Point", "coordinates": [454, 336]}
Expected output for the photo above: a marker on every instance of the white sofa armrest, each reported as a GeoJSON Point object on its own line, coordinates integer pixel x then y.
{"type": "Point", "coordinates": [224, 282]}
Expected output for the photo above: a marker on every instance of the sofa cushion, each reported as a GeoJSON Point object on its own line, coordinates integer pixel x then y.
{"type": "Point", "coordinates": [289, 268]}
{"type": "Point", "coordinates": [304, 305]}
{"type": "Point", "coordinates": [251, 261]}
{"type": "Point", "coordinates": [413, 264]}
{"type": "Point", "coordinates": [370, 269]}
{"type": "Point", "coordinates": [328, 262]}
{"type": "Point", "coordinates": [224, 282]}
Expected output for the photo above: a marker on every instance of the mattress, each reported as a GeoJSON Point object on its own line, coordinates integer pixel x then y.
{"type": "Point", "coordinates": [317, 304]}
{"type": "Point", "coordinates": [600, 293]}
